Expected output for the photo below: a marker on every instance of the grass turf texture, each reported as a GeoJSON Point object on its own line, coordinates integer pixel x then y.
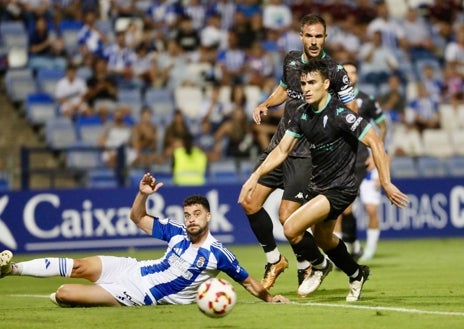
{"type": "Point", "coordinates": [413, 284]}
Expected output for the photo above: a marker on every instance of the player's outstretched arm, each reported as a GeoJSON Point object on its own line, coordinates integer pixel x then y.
{"type": "Point", "coordinates": [138, 214]}
{"type": "Point", "coordinates": [278, 96]}
{"type": "Point", "coordinates": [255, 288]}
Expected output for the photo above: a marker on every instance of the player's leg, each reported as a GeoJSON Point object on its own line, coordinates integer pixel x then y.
{"type": "Point", "coordinates": [71, 295]}
{"type": "Point", "coordinates": [304, 244]}
{"type": "Point", "coordinates": [371, 197]}
{"type": "Point", "coordinates": [349, 232]}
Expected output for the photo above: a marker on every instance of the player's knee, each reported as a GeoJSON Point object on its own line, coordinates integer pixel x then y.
{"type": "Point", "coordinates": [64, 294]}
{"type": "Point", "coordinates": [290, 234]}
{"type": "Point", "coordinates": [250, 206]}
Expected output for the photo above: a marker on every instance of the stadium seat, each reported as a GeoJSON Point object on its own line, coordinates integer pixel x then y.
{"type": "Point", "coordinates": [447, 114]}
{"type": "Point", "coordinates": [40, 107]}
{"type": "Point", "coordinates": [17, 57]}
{"type": "Point", "coordinates": [455, 166]}
{"type": "Point", "coordinates": [101, 178]}
{"type": "Point", "coordinates": [403, 167]}
{"type": "Point", "coordinates": [19, 83]}
{"type": "Point", "coordinates": [457, 140]}
{"type": "Point", "coordinates": [48, 78]}
{"type": "Point", "coordinates": [223, 171]}
{"type": "Point", "coordinates": [161, 101]}
{"type": "Point", "coordinates": [89, 131]}
{"type": "Point", "coordinates": [188, 99]}
{"type": "Point", "coordinates": [13, 34]}
{"type": "Point", "coordinates": [431, 167]}
{"type": "Point", "coordinates": [437, 143]}
{"type": "Point", "coordinates": [81, 155]}
{"type": "Point", "coordinates": [198, 72]}
{"type": "Point", "coordinates": [69, 31]}
{"type": "Point", "coordinates": [60, 133]}
{"type": "Point", "coordinates": [407, 141]}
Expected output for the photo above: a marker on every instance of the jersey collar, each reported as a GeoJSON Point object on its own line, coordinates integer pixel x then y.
{"type": "Point", "coordinates": [325, 105]}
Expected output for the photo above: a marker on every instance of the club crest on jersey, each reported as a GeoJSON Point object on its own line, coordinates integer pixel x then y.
{"type": "Point", "coordinates": [324, 121]}
{"type": "Point", "coordinates": [350, 118]}
{"type": "Point", "coordinates": [201, 262]}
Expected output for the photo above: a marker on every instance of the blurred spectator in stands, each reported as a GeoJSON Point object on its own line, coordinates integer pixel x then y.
{"type": "Point", "coordinates": [213, 111]}
{"type": "Point", "coordinates": [241, 28]}
{"type": "Point", "coordinates": [70, 94]}
{"type": "Point", "coordinates": [171, 66]}
{"type": "Point", "coordinates": [453, 92]}
{"type": "Point", "coordinates": [257, 28]}
{"type": "Point", "coordinates": [162, 16]}
{"type": "Point", "coordinates": [454, 51]}
{"type": "Point", "coordinates": [393, 101]}
{"type": "Point", "coordinates": [189, 162]}
{"type": "Point", "coordinates": [418, 36]}
{"type": "Point", "coordinates": [277, 15]}
{"type": "Point", "coordinates": [187, 36]}
{"type": "Point", "coordinates": [377, 61]}
{"type": "Point", "coordinates": [225, 9]}
{"type": "Point", "coordinates": [174, 132]}
{"type": "Point", "coordinates": [238, 99]}
{"type": "Point", "coordinates": [133, 33]}
{"type": "Point", "coordinates": [145, 139]}
{"type": "Point", "coordinates": [259, 65]}
{"type": "Point", "coordinates": [100, 86]}
{"type": "Point", "coordinates": [144, 66]}
{"type": "Point", "coordinates": [249, 7]}
{"type": "Point", "coordinates": [121, 8]}
{"type": "Point", "coordinates": [45, 52]}
{"type": "Point", "coordinates": [32, 9]}
{"type": "Point", "coordinates": [393, 36]}
{"type": "Point", "coordinates": [432, 81]}
{"type": "Point", "coordinates": [117, 133]}
{"type": "Point", "coordinates": [66, 10]}
{"type": "Point", "coordinates": [288, 39]}
{"type": "Point", "coordinates": [364, 12]}
{"type": "Point", "coordinates": [211, 35]}
{"type": "Point", "coordinates": [345, 44]}
{"type": "Point", "coordinates": [422, 111]}
{"type": "Point", "coordinates": [231, 61]}
{"type": "Point", "coordinates": [196, 11]}
{"type": "Point", "coordinates": [91, 40]}
{"type": "Point", "coordinates": [121, 60]}
{"type": "Point", "coordinates": [234, 137]}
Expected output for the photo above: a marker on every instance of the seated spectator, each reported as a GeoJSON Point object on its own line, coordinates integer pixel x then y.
{"type": "Point", "coordinates": [145, 139]}
{"type": "Point", "coordinates": [231, 61]}
{"type": "Point", "coordinates": [393, 101]}
{"type": "Point", "coordinates": [100, 86]}
{"type": "Point", "coordinates": [187, 36]}
{"type": "Point", "coordinates": [144, 65]}
{"type": "Point", "coordinates": [120, 59]}
{"type": "Point", "coordinates": [45, 52]}
{"type": "Point", "coordinates": [422, 112]}
{"type": "Point", "coordinates": [259, 65]}
{"type": "Point", "coordinates": [90, 39]}
{"type": "Point", "coordinates": [70, 94]}
{"type": "Point", "coordinates": [171, 66]}
{"type": "Point", "coordinates": [236, 134]}
{"type": "Point", "coordinates": [189, 162]}
{"type": "Point", "coordinates": [117, 133]}
{"type": "Point", "coordinates": [174, 132]}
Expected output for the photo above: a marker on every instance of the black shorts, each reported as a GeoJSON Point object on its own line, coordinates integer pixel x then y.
{"type": "Point", "coordinates": [292, 176]}
{"type": "Point", "coordinates": [339, 200]}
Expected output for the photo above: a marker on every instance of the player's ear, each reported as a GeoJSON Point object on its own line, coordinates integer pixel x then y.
{"type": "Point", "coordinates": [326, 84]}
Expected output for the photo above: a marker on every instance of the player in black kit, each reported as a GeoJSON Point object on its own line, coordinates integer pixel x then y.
{"type": "Point", "coordinates": [333, 133]}
{"type": "Point", "coordinates": [370, 110]}
{"type": "Point", "coordinates": [293, 174]}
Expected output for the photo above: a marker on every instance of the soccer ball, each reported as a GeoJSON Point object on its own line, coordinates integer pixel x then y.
{"type": "Point", "coordinates": [216, 297]}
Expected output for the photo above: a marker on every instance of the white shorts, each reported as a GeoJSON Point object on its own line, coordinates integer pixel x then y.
{"type": "Point", "coordinates": [121, 278]}
{"type": "Point", "coordinates": [369, 191]}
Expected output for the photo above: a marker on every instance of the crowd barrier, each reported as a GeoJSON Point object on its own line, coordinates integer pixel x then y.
{"type": "Point", "coordinates": [98, 219]}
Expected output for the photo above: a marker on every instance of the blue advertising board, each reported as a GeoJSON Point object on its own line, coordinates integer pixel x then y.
{"type": "Point", "coordinates": [96, 219]}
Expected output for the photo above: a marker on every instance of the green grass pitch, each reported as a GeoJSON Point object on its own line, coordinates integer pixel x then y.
{"type": "Point", "coordinates": [413, 284]}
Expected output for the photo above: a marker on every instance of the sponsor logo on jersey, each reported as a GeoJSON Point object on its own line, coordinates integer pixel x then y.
{"type": "Point", "coordinates": [350, 118]}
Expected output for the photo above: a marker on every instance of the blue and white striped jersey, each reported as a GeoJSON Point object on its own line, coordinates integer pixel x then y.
{"type": "Point", "coordinates": [175, 278]}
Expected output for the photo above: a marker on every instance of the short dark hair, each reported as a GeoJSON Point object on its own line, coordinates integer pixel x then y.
{"type": "Point", "coordinates": [197, 199]}
{"type": "Point", "coordinates": [352, 63]}
{"type": "Point", "coordinates": [311, 19]}
{"type": "Point", "coordinates": [316, 65]}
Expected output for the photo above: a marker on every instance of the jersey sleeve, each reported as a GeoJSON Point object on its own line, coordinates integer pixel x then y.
{"type": "Point", "coordinates": [342, 86]}
{"type": "Point", "coordinates": [165, 229]}
{"type": "Point", "coordinates": [228, 263]}
{"type": "Point", "coordinates": [352, 123]}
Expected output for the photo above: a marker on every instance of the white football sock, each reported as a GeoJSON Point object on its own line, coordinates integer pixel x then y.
{"type": "Point", "coordinates": [273, 256]}
{"type": "Point", "coordinates": [372, 238]}
{"type": "Point", "coordinates": [45, 267]}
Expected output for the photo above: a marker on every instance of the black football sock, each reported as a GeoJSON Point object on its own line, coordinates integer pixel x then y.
{"type": "Point", "coordinates": [349, 228]}
{"type": "Point", "coordinates": [342, 259]}
{"type": "Point", "coordinates": [307, 249]}
{"type": "Point", "coordinates": [262, 227]}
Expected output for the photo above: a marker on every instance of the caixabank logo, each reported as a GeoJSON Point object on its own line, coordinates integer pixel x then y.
{"type": "Point", "coordinates": [6, 237]}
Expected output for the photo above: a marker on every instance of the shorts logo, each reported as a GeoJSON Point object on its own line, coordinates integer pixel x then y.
{"type": "Point", "coordinates": [299, 196]}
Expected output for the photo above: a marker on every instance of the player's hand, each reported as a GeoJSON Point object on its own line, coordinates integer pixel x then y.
{"type": "Point", "coordinates": [396, 197]}
{"type": "Point", "coordinates": [279, 299]}
{"type": "Point", "coordinates": [259, 111]}
{"type": "Point", "coordinates": [248, 188]}
{"type": "Point", "coordinates": [148, 184]}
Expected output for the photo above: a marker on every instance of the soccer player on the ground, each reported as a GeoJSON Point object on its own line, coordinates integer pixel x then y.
{"type": "Point", "coordinates": [333, 132]}
{"type": "Point", "coordinates": [292, 176]}
{"type": "Point", "coordinates": [366, 174]}
{"type": "Point", "coordinates": [193, 255]}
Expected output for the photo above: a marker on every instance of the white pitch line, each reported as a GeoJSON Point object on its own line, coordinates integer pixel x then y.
{"type": "Point", "coordinates": [378, 308]}
{"type": "Point", "coordinates": [29, 296]}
